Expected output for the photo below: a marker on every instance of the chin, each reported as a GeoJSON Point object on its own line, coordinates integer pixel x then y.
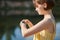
{"type": "Point", "coordinates": [40, 14]}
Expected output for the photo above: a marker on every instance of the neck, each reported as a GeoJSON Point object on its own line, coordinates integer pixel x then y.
{"type": "Point", "coordinates": [48, 14]}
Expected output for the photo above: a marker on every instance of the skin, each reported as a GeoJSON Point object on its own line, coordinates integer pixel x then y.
{"type": "Point", "coordinates": [47, 23]}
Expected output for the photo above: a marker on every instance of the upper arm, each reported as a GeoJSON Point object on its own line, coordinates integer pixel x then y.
{"type": "Point", "coordinates": [38, 27]}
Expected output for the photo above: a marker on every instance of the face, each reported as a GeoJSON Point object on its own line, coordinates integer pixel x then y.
{"type": "Point", "coordinates": [38, 7]}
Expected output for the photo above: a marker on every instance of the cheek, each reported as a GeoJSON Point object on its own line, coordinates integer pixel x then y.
{"type": "Point", "coordinates": [40, 6]}
{"type": "Point", "coordinates": [37, 9]}
{"type": "Point", "coordinates": [35, 5]}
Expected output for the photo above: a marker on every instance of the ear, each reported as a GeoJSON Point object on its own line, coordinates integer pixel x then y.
{"type": "Point", "coordinates": [45, 5]}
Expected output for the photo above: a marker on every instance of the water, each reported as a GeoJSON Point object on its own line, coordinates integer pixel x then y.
{"type": "Point", "coordinates": [15, 34]}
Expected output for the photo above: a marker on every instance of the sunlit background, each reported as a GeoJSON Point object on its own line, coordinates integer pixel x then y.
{"type": "Point", "coordinates": [12, 12]}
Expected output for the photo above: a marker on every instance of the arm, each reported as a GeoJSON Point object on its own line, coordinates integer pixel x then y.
{"type": "Point", "coordinates": [23, 25]}
{"type": "Point", "coordinates": [36, 28]}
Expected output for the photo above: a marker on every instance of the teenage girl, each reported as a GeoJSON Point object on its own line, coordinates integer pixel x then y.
{"type": "Point", "coordinates": [44, 29]}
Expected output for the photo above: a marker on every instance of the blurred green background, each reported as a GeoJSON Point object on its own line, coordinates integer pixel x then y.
{"type": "Point", "coordinates": [13, 11]}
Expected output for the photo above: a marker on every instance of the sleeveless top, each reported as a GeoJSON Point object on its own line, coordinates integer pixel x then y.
{"type": "Point", "coordinates": [45, 35]}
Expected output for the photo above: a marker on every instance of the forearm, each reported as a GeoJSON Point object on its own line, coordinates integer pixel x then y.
{"type": "Point", "coordinates": [23, 28]}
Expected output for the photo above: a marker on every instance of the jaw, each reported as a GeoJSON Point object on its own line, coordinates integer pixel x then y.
{"type": "Point", "coordinates": [40, 13]}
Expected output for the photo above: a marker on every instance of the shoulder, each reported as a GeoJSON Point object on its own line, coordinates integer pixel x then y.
{"type": "Point", "coordinates": [49, 22]}
{"type": "Point", "coordinates": [45, 22]}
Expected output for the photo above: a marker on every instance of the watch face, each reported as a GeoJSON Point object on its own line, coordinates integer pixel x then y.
{"type": "Point", "coordinates": [23, 22]}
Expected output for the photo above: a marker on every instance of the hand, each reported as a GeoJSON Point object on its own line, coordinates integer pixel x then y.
{"type": "Point", "coordinates": [26, 21]}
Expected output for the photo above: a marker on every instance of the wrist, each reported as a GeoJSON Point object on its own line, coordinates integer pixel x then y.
{"type": "Point", "coordinates": [22, 23]}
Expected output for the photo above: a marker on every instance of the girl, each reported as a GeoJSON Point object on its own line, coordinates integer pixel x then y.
{"type": "Point", "coordinates": [44, 29]}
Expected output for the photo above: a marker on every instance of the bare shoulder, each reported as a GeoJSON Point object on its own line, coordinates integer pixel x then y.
{"type": "Point", "coordinates": [51, 20]}
{"type": "Point", "coordinates": [51, 25]}
{"type": "Point", "coordinates": [48, 22]}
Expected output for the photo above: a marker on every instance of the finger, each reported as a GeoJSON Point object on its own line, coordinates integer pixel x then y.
{"type": "Point", "coordinates": [24, 19]}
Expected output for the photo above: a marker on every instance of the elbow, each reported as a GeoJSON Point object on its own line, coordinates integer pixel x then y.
{"type": "Point", "coordinates": [24, 35]}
